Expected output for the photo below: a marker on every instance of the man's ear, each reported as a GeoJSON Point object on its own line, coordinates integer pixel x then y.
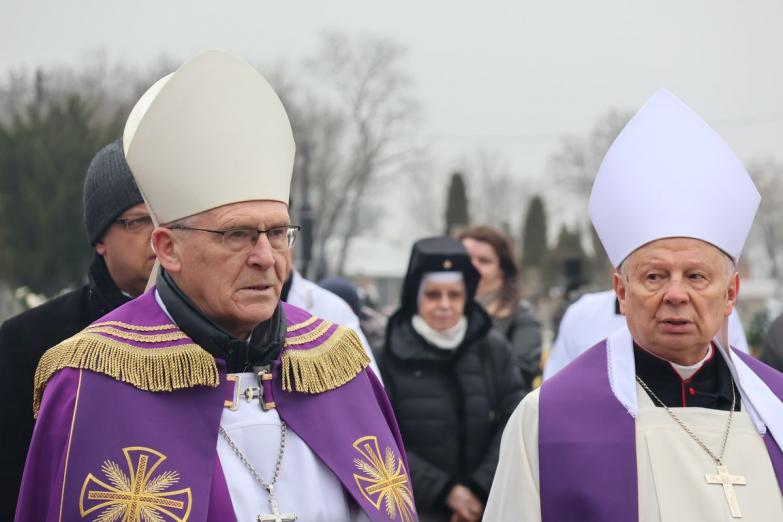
{"type": "Point", "coordinates": [100, 248]}
{"type": "Point", "coordinates": [164, 243]}
{"type": "Point", "coordinates": [619, 290]}
{"type": "Point", "coordinates": [732, 292]}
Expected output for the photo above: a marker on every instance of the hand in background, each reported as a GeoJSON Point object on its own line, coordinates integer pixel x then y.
{"type": "Point", "coordinates": [464, 504]}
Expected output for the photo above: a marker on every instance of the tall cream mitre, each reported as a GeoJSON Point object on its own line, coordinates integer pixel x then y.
{"type": "Point", "coordinates": [668, 174]}
{"type": "Point", "coordinates": [212, 133]}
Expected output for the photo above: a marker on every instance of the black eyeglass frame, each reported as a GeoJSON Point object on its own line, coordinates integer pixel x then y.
{"type": "Point", "coordinates": [127, 222]}
{"type": "Point", "coordinates": [253, 241]}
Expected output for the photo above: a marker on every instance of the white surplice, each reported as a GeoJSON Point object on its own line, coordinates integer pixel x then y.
{"type": "Point", "coordinates": [305, 486]}
{"type": "Point", "coordinates": [671, 467]}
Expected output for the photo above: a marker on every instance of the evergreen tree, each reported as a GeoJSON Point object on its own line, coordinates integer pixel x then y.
{"type": "Point", "coordinates": [567, 264]}
{"type": "Point", "coordinates": [457, 205]}
{"type": "Point", "coordinates": [44, 153]}
{"type": "Point", "coordinates": [534, 241]}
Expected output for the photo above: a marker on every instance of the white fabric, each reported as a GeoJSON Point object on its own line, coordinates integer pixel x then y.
{"type": "Point", "coordinates": [322, 303]}
{"type": "Point", "coordinates": [668, 174]}
{"type": "Point", "coordinates": [257, 434]}
{"type": "Point", "coordinates": [212, 133]}
{"type": "Point", "coordinates": [305, 487]}
{"type": "Point", "coordinates": [441, 277]}
{"type": "Point", "coordinates": [670, 467]}
{"type": "Point", "coordinates": [447, 339]}
{"type": "Point", "coordinates": [762, 405]}
{"type": "Point", "coordinates": [592, 319]}
{"type": "Point", "coordinates": [686, 372]}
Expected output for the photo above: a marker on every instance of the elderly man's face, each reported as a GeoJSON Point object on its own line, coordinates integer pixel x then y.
{"type": "Point", "coordinates": [237, 290]}
{"type": "Point", "coordinates": [675, 294]}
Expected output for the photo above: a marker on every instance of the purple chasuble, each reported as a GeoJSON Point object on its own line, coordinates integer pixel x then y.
{"type": "Point", "coordinates": [146, 447]}
{"type": "Point", "coordinates": [587, 442]}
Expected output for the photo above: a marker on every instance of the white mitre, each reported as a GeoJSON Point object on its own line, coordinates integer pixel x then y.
{"type": "Point", "coordinates": [212, 133]}
{"type": "Point", "coordinates": [668, 174]}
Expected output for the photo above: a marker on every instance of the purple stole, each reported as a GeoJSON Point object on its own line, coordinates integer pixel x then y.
{"type": "Point", "coordinates": [587, 443]}
{"type": "Point", "coordinates": [148, 444]}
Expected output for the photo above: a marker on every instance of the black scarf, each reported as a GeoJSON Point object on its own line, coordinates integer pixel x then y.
{"type": "Point", "coordinates": [264, 345]}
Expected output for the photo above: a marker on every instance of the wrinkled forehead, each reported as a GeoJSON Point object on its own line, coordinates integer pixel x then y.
{"type": "Point", "coordinates": [257, 213]}
{"type": "Point", "coordinates": [676, 251]}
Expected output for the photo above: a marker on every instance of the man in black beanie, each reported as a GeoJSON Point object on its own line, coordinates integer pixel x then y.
{"type": "Point", "coordinates": [119, 228]}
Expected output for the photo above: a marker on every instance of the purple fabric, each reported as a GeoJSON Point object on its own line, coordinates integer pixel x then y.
{"type": "Point", "coordinates": [220, 507]}
{"type": "Point", "coordinates": [120, 426]}
{"type": "Point", "coordinates": [356, 402]}
{"type": "Point", "coordinates": [587, 446]}
{"type": "Point", "coordinates": [119, 429]}
{"type": "Point", "coordinates": [584, 427]}
{"type": "Point", "coordinates": [181, 425]}
{"type": "Point", "coordinates": [41, 491]}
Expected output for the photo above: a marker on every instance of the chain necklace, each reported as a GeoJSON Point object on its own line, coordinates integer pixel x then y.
{"type": "Point", "coordinates": [717, 458]}
{"type": "Point", "coordinates": [723, 477]}
{"type": "Point", "coordinates": [269, 487]}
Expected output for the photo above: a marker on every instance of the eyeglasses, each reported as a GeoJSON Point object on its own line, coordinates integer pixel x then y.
{"type": "Point", "coordinates": [238, 239]}
{"type": "Point", "coordinates": [134, 225]}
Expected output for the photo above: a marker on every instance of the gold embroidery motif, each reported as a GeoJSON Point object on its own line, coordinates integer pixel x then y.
{"type": "Point", "coordinates": [304, 324]}
{"type": "Point", "coordinates": [140, 498]}
{"type": "Point", "coordinates": [136, 328]}
{"type": "Point", "coordinates": [383, 479]}
{"type": "Point", "coordinates": [326, 367]}
{"type": "Point", "coordinates": [149, 369]}
{"type": "Point", "coordinates": [141, 338]}
{"type": "Point", "coordinates": [312, 335]}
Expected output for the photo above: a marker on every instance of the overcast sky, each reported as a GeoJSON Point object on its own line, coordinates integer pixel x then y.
{"type": "Point", "coordinates": [512, 76]}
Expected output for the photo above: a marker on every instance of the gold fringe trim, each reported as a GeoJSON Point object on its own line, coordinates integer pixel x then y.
{"type": "Point", "coordinates": [314, 334]}
{"type": "Point", "coordinates": [303, 324]}
{"type": "Point", "coordinates": [138, 337]}
{"type": "Point", "coordinates": [149, 369]}
{"type": "Point", "coordinates": [326, 367]}
{"type": "Point", "coordinates": [134, 327]}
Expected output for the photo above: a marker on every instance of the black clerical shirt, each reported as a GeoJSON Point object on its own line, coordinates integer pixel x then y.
{"type": "Point", "coordinates": [709, 387]}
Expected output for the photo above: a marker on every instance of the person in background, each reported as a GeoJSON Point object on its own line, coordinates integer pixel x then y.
{"type": "Point", "coordinates": [594, 317]}
{"type": "Point", "coordinates": [451, 382]}
{"type": "Point", "coordinates": [118, 226]}
{"type": "Point", "coordinates": [373, 324]}
{"type": "Point", "coordinates": [492, 254]}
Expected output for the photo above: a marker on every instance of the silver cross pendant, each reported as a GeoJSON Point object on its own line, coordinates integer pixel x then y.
{"type": "Point", "coordinates": [275, 516]}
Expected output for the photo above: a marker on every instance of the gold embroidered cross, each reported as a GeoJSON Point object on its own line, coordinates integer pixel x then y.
{"type": "Point", "coordinates": [728, 481]}
{"type": "Point", "coordinates": [384, 480]}
{"type": "Point", "coordinates": [138, 497]}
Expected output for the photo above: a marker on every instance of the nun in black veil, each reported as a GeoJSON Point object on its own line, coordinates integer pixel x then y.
{"type": "Point", "coordinates": [451, 380]}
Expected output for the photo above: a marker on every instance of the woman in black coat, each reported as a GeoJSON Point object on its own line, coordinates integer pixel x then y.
{"type": "Point", "coordinates": [492, 253]}
{"type": "Point", "coordinates": [451, 381]}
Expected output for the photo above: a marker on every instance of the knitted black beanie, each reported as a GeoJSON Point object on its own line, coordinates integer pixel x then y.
{"type": "Point", "coordinates": [109, 189]}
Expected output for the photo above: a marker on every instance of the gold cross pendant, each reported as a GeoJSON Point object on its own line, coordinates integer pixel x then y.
{"type": "Point", "coordinates": [728, 481]}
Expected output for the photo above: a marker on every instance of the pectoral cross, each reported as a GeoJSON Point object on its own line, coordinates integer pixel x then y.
{"type": "Point", "coordinates": [276, 516]}
{"type": "Point", "coordinates": [728, 481]}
